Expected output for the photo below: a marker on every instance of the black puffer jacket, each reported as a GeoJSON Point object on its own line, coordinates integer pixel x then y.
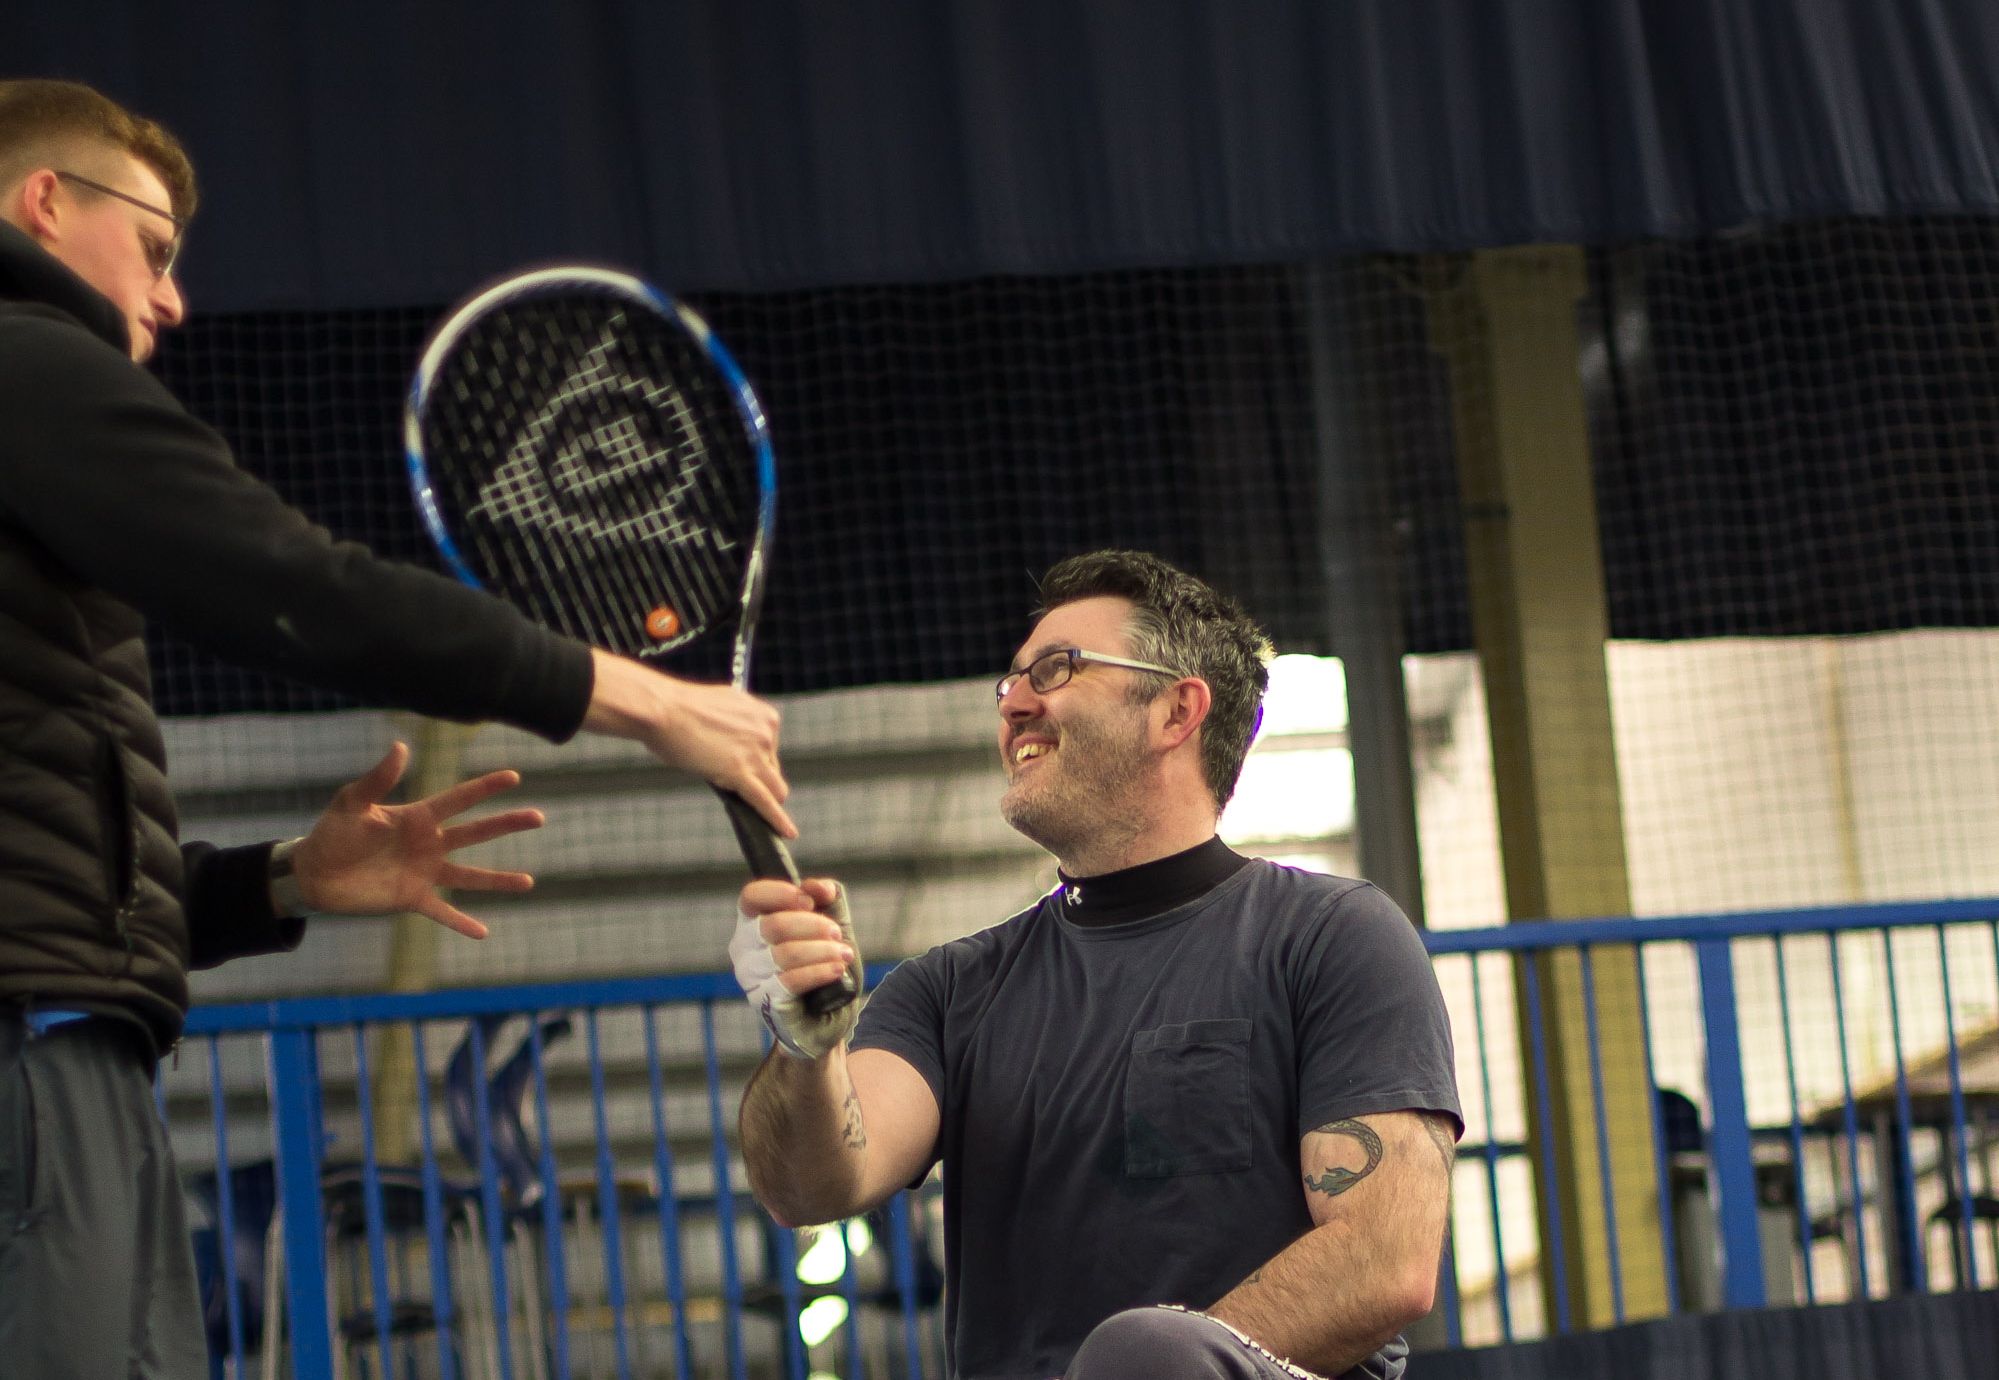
{"type": "Point", "coordinates": [116, 505]}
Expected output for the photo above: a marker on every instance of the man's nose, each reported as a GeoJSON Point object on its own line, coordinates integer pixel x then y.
{"type": "Point", "coordinates": [168, 302]}
{"type": "Point", "coordinates": [1021, 701]}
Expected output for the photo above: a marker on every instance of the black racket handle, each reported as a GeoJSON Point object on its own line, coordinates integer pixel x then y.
{"type": "Point", "coordinates": [767, 856]}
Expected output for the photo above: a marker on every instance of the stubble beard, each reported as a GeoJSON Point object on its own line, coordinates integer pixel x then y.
{"type": "Point", "coordinates": [1087, 801]}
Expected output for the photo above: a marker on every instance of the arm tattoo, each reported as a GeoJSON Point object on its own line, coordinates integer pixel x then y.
{"type": "Point", "coordinates": [853, 1133]}
{"type": "Point", "coordinates": [1439, 1128]}
{"type": "Point", "coordinates": [1337, 1180]}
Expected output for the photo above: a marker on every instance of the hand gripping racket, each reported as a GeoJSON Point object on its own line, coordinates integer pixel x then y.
{"type": "Point", "coordinates": [581, 445]}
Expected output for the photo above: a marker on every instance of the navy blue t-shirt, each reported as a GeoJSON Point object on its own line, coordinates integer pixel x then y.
{"type": "Point", "coordinates": [1122, 1104]}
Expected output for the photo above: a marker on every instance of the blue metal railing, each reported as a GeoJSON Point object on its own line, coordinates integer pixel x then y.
{"type": "Point", "coordinates": [583, 1214]}
{"type": "Point", "coordinates": [1915, 1158]}
{"type": "Point", "coordinates": [504, 1299]}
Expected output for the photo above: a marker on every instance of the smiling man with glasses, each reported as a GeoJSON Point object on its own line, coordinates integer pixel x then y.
{"type": "Point", "coordinates": [1196, 1112]}
{"type": "Point", "coordinates": [117, 506]}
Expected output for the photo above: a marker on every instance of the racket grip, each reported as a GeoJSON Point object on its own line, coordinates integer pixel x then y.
{"type": "Point", "coordinates": [767, 856]}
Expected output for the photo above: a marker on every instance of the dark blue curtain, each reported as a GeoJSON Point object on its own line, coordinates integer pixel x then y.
{"type": "Point", "coordinates": [378, 152]}
{"type": "Point", "coordinates": [1934, 1337]}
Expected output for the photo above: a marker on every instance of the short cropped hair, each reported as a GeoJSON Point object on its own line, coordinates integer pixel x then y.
{"type": "Point", "coordinates": [1183, 622]}
{"type": "Point", "coordinates": [67, 126]}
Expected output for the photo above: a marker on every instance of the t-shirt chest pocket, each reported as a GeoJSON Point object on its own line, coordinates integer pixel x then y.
{"type": "Point", "coordinates": [1186, 1100]}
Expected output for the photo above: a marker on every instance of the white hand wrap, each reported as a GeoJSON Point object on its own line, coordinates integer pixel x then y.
{"type": "Point", "coordinates": [797, 1031]}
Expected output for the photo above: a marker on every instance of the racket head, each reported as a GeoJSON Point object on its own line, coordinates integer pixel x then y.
{"type": "Point", "coordinates": [581, 444]}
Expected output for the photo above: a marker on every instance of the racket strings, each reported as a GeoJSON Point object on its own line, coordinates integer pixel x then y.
{"type": "Point", "coordinates": [599, 469]}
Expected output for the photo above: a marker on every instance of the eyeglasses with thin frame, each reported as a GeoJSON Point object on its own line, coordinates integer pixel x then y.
{"type": "Point", "coordinates": [160, 257]}
{"type": "Point", "coordinates": [1051, 670]}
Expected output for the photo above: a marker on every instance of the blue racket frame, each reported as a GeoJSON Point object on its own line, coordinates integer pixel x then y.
{"type": "Point", "coordinates": [636, 291]}
{"type": "Point", "coordinates": [763, 850]}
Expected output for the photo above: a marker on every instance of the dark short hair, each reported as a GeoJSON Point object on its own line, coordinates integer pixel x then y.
{"type": "Point", "coordinates": [1183, 622]}
{"type": "Point", "coordinates": [50, 124]}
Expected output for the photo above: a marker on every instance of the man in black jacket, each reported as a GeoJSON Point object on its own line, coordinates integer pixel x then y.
{"type": "Point", "coordinates": [115, 506]}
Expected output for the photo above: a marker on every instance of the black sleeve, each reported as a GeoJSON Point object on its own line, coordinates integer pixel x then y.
{"type": "Point", "coordinates": [1373, 1031]}
{"type": "Point", "coordinates": [905, 1016]}
{"type": "Point", "coordinates": [136, 497]}
{"type": "Point", "coordinates": [228, 905]}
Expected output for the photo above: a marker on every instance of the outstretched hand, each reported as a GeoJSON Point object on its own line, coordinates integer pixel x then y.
{"type": "Point", "coordinates": [366, 858]}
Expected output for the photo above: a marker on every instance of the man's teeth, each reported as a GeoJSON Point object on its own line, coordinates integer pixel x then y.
{"type": "Point", "coordinates": [1027, 750]}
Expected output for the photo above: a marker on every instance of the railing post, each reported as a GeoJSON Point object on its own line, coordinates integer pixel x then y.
{"type": "Point", "coordinates": [295, 1110]}
{"type": "Point", "coordinates": [1728, 1139]}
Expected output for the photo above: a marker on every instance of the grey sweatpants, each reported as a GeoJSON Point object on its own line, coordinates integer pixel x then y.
{"type": "Point", "coordinates": [1169, 1344]}
{"type": "Point", "coordinates": [96, 1272]}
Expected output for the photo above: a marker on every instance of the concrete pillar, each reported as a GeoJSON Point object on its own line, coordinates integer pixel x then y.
{"type": "Point", "coordinates": [1505, 320]}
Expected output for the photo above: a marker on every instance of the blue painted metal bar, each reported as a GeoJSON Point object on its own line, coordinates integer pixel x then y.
{"type": "Point", "coordinates": [1544, 1115]}
{"type": "Point", "coordinates": [669, 1200]}
{"type": "Point", "coordinates": [436, 1231]}
{"type": "Point", "coordinates": [609, 1212]}
{"type": "Point", "coordinates": [1728, 1116]}
{"type": "Point", "coordinates": [1447, 1285]}
{"type": "Point", "coordinates": [1901, 1232]}
{"type": "Point", "coordinates": [1662, 1167]}
{"type": "Point", "coordinates": [1796, 1128]}
{"type": "Point", "coordinates": [1849, 1116]}
{"type": "Point", "coordinates": [1526, 935]}
{"type": "Point", "coordinates": [1985, 1156]}
{"type": "Point", "coordinates": [296, 1012]}
{"type": "Point", "coordinates": [725, 1197]}
{"type": "Point", "coordinates": [489, 1203]}
{"type": "Point", "coordinates": [1966, 1276]}
{"type": "Point", "coordinates": [225, 1200]}
{"type": "Point", "coordinates": [851, 1330]}
{"type": "Point", "coordinates": [294, 1098]}
{"type": "Point", "coordinates": [902, 1249]}
{"type": "Point", "coordinates": [1912, 1268]}
{"type": "Point", "coordinates": [1502, 1279]}
{"type": "Point", "coordinates": [553, 1245]}
{"type": "Point", "coordinates": [371, 1204]}
{"type": "Point", "coordinates": [1606, 1182]}
{"type": "Point", "coordinates": [784, 1264]}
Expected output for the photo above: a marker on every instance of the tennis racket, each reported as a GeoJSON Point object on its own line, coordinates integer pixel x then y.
{"type": "Point", "coordinates": [581, 445]}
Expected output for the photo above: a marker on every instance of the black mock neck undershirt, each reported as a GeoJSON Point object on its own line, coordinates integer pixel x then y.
{"type": "Point", "coordinates": [1151, 888]}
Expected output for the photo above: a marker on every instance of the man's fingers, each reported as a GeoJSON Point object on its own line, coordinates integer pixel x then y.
{"type": "Point", "coordinates": [491, 827]}
{"type": "Point", "coordinates": [812, 977]}
{"type": "Point", "coordinates": [460, 878]}
{"type": "Point", "coordinates": [374, 785]}
{"type": "Point", "coordinates": [765, 801]}
{"type": "Point", "coordinates": [457, 799]}
{"type": "Point", "coordinates": [767, 894]}
{"type": "Point", "coordinates": [815, 948]}
{"type": "Point", "coordinates": [786, 912]}
{"type": "Point", "coordinates": [823, 890]}
{"type": "Point", "coordinates": [452, 918]}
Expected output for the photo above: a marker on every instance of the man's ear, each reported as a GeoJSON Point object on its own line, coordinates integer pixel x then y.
{"type": "Point", "coordinates": [1186, 707]}
{"type": "Point", "coordinates": [32, 205]}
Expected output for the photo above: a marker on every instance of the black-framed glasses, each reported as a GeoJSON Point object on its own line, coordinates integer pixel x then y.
{"type": "Point", "coordinates": [1053, 669]}
{"type": "Point", "coordinates": [161, 255]}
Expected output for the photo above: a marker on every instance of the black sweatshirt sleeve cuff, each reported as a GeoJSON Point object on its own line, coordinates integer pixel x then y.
{"type": "Point", "coordinates": [229, 905]}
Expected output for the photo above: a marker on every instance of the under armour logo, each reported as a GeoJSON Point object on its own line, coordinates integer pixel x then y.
{"type": "Point", "coordinates": [1073, 894]}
